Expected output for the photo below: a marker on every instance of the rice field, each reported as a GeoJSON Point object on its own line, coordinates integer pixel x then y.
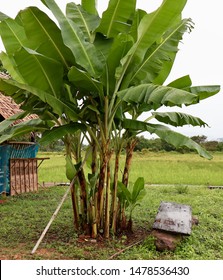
{"type": "Point", "coordinates": [156, 168]}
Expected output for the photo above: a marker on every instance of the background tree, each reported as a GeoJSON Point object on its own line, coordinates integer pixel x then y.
{"type": "Point", "coordinates": [199, 138]}
{"type": "Point", "coordinates": [83, 77]}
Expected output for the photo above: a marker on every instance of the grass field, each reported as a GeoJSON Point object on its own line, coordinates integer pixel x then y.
{"type": "Point", "coordinates": [24, 217]}
{"type": "Point", "coordinates": [156, 168]}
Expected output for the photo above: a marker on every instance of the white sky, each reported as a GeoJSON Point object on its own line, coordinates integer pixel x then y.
{"type": "Point", "coordinates": [200, 55]}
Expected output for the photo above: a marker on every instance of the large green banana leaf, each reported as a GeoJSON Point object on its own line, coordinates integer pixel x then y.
{"type": "Point", "coordinates": [89, 6]}
{"type": "Point", "coordinates": [45, 36]}
{"type": "Point", "coordinates": [150, 29]}
{"type": "Point", "coordinates": [13, 36]}
{"type": "Point", "coordinates": [39, 71]}
{"type": "Point", "coordinates": [158, 53]}
{"type": "Point", "coordinates": [178, 119]}
{"type": "Point", "coordinates": [168, 64]}
{"type": "Point", "coordinates": [121, 45]}
{"type": "Point", "coordinates": [83, 81]}
{"type": "Point", "coordinates": [3, 16]}
{"type": "Point", "coordinates": [115, 19]}
{"type": "Point", "coordinates": [138, 16]}
{"type": "Point", "coordinates": [9, 121]}
{"type": "Point", "coordinates": [204, 92]}
{"type": "Point", "coordinates": [60, 106]}
{"type": "Point", "coordinates": [174, 138]}
{"type": "Point", "coordinates": [182, 82]}
{"type": "Point", "coordinates": [86, 22]}
{"type": "Point", "coordinates": [151, 94]}
{"type": "Point", "coordinates": [24, 128]}
{"type": "Point", "coordinates": [9, 63]}
{"type": "Point", "coordinates": [84, 52]}
{"type": "Point", "coordinates": [59, 132]}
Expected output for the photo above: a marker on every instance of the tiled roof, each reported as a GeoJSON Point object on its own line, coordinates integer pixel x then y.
{"type": "Point", "coordinates": [8, 107]}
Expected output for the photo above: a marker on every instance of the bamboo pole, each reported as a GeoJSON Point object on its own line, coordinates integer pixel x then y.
{"type": "Point", "coordinates": [52, 219]}
{"type": "Point", "coordinates": [58, 207]}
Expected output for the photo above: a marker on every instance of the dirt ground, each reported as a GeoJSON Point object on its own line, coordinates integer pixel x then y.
{"type": "Point", "coordinates": [128, 240]}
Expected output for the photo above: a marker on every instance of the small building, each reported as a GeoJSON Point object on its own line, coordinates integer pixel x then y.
{"type": "Point", "coordinates": [18, 162]}
{"type": "Point", "coordinates": [18, 167]}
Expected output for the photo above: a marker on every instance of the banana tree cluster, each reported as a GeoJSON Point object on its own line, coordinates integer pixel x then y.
{"type": "Point", "coordinates": [90, 78]}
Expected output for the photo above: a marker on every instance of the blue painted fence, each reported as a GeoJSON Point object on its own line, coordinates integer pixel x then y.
{"type": "Point", "coordinates": [13, 151]}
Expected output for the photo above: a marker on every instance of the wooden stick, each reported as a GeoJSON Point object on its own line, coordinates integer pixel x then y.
{"type": "Point", "coordinates": [126, 248]}
{"type": "Point", "coordinates": [58, 207]}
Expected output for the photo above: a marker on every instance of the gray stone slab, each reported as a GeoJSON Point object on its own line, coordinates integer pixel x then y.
{"type": "Point", "coordinates": [173, 217]}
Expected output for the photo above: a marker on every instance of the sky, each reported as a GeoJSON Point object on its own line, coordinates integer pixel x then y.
{"type": "Point", "coordinates": [200, 55]}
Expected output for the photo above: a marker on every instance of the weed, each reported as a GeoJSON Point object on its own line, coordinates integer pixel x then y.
{"type": "Point", "coordinates": [181, 189]}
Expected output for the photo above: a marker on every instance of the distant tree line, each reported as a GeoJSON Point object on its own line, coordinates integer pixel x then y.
{"type": "Point", "coordinates": [153, 144]}
{"type": "Point", "coordinates": [156, 144]}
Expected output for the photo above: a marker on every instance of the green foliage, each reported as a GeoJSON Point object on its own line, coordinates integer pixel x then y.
{"type": "Point", "coordinates": [165, 133]}
{"type": "Point", "coordinates": [115, 19]}
{"type": "Point", "coordinates": [81, 74]}
{"type": "Point", "coordinates": [181, 189]}
{"type": "Point", "coordinates": [199, 138]}
{"type": "Point", "coordinates": [142, 143]}
{"type": "Point", "coordinates": [131, 198]}
{"type": "Point", "coordinates": [54, 146]}
{"type": "Point", "coordinates": [75, 57]}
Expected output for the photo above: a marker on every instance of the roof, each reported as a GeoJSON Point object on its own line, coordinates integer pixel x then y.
{"type": "Point", "coordinates": [8, 107]}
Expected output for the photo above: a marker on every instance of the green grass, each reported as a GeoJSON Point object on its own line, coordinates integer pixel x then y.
{"type": "Point", "coordinates": [156, 168]}
{"type": "Point", "coordinates": [24, 217]}
{"type": "Point", "coordinates": [174, 168]}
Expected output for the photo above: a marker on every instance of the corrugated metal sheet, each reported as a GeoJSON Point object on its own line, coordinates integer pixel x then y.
{"type": "Point", "coordinates": [173, 217]}
{"type": "Point", "coordinates": [4, 169]}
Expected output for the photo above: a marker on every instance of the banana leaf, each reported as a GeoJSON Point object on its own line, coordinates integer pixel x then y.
{"type": "Point", "coordinates": [165, 133]}
{"type": "Point", "coordinates": [86, 22]}
{"type": "Point", "coordinates": [89, 6]}
{"type": "Point", "coordinates": [59, 132]}
{"type": "Point", "coordinates": [150, 29]}
{"type": "Point", "coordinates": [178, 119]}
{"type": "Point", "coordinates": [84, 52]}
{"type": "Point", "coordinates": [48, 40]}
{"type": "Point", "coordinates": [151, 94]}
{"type": "Point", "coordinates": [115, 19]}
{"type": "Point", "coordinates": [24, 128]}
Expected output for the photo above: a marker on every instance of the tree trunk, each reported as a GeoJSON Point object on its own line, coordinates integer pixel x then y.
{"type": "Point", "coordinates": [125, 178]}
{"type": "Point", "coordinates": [107, 198]}
{"type": "Point", "coordinates": [129, 154]}
{"type": "Point", "coordinates": [94, 158]}
{"type": "Point", "coordinates": [94, 230]}
{"type": "Point", "coordinates": [114, 210]}
{"type": "Point", "coordinates": [101, 184]}
{"type": "Point", "coordinates": [75, 207]}
{"type": "Point", "coordinates": [83, 198]}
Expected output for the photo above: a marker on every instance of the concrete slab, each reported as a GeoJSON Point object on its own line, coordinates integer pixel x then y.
{"type": "Point", "coordinates": [173, 217]}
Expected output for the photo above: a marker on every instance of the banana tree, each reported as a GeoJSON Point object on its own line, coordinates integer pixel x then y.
{"type": "Point", "coordinates": [83, 74]}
